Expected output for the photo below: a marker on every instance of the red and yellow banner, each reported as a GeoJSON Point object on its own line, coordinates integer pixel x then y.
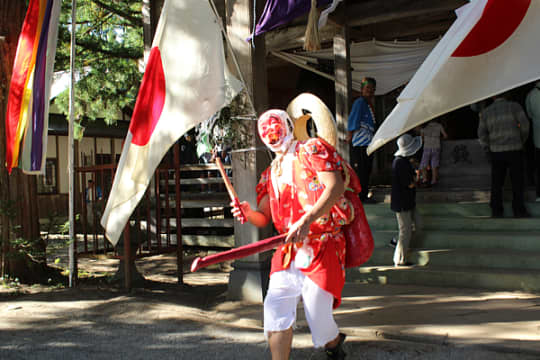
{"type": "Point", "coordinates": [28, 99]}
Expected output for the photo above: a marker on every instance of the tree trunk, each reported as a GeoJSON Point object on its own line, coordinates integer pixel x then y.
{"type": "Point", "coordinates": [17, 189]}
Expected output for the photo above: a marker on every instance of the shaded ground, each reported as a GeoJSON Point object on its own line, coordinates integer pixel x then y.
{"type": "Point", "coordinates": [163, 320]}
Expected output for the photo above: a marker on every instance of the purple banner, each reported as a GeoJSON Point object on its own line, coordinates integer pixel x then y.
{"type": "Point", "coordinates": [38, 104]}
{"type": "Point", "coordinates": [281, 12]}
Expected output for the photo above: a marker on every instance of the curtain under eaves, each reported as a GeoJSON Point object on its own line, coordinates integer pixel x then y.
{"type": "Point", "coordinates": [391, 63]}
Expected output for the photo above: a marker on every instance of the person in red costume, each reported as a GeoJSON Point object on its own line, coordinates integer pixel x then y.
{"type": "Point", "coordinates": [302, 193]}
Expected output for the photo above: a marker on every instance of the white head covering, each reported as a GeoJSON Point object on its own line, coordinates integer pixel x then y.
{"type": "Point", "coordinates": [286, 136]}
{"type": "Point", "coordinates": [408, 145]}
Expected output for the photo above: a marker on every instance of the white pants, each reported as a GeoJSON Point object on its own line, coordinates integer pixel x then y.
{"type": "Point", "coordinates": [281, 301]}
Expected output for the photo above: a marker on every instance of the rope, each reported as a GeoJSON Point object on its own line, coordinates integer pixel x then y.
{"type": "Point", "coordinates": [254, 23]}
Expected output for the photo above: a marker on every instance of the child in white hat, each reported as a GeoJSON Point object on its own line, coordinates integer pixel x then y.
{"type": "Point", "coordinates": [403, 200]}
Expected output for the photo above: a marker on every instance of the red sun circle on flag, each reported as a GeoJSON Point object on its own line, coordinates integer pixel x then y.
{"type": "Point", "coordinates": [499, 21]}
{"type": "Point", "coordinates": [150, 100]}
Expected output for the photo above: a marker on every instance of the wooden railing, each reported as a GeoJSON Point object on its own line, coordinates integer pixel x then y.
{"type": "Point", "coordinates": [191, 195]}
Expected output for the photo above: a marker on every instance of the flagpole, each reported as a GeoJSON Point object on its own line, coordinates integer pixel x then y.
{"type": "Point", "coordinates": [71, 150]}
{"type": "Point", "coordinates": [218, 18]}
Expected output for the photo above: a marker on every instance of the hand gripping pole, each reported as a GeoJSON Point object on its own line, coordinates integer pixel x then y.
{"type": "Point", "coordinates": [230, 190]}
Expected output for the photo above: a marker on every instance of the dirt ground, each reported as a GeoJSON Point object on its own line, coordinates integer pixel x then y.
{"type": "Point", "coordinates": [160, 319]}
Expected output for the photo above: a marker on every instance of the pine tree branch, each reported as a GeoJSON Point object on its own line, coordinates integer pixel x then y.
{"type": "Point", "coordinates": [120, 53]}
{"type": "Point", "coordinates": [126, 15]}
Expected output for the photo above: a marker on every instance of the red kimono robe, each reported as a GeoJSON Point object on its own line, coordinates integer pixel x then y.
{"type": "Point", "coordinates": [327, 240]}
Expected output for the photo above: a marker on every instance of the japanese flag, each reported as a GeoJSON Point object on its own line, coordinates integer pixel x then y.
{"type": "Point", "coordinates": [492, 47]}
{"type": "Point", "coordinates": [186, 82]}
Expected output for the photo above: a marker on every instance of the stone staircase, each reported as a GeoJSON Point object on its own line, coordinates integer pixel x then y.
{"type": "Point", "coordinates": [457, 245]}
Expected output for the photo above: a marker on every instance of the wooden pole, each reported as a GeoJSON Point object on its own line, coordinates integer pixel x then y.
{"type": "Point", "coordinates": [71, 151]}
{"type": "Point", "coordinates": [147, 29]}
{"type": "Point", "coordinates": [127, 258]}
{"type": "Point", "coordinates": [248, 280]}
{"type": "Point", "coordinates": [178, 207]}
{"type": "Point", "coordinates": [343, 84]}
{"type": "Point", "coordinates": [233, 55]}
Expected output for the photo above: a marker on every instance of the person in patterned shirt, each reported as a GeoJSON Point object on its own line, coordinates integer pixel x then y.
{"type": "Point", "coordinates": [302, 193]}
{"type": "Point", "coordinates": [503, 129]}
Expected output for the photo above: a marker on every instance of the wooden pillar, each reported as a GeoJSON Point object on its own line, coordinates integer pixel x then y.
{"type": "Point", "coordinates": [251, 57]}
{"type": "Point", "coordinates": [151, 11]}
{"type": "Point", "coordinates": [249, 279]}
{"type": "Point", "coordinates": [128, 260]}
{"type": "Point", "coordinates": [343, 84]}
{"type": "Point", "coordinates": [155, 12]}
{"type": "Point", "coordinates": [178, 214]}
{"type": "Point", "coordinates": [147, 28]}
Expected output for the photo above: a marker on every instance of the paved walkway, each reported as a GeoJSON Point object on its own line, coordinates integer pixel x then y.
{"type": "Point", "coordinates": [167, 321]}
{"type": "Point", "coordinates": [505, 322]}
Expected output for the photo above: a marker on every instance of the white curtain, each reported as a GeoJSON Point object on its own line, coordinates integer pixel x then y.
{"type": "Point", "coordinates": [391, 63]}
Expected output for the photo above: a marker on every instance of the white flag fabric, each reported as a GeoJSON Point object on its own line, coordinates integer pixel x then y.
{"type": "Point", "coordinates": [186, 82]}
{"type": "Point", "coordinates": [492, 47]}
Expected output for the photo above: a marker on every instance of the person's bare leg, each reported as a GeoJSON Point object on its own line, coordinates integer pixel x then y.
{"type": "Point", "coordinates": [280, 343]}
{"type": "Point", "coordinates": [424, 175]}
{"type": "Point", "coordinates": [435, 177]}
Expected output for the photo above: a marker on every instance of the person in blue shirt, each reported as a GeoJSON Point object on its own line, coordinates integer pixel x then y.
{"type": "Point", "coordinates": [360, 130]}
{"type": "Point", "coordinates": [93, 197]}
{"type": "Point", "coordinates": [92, 192]}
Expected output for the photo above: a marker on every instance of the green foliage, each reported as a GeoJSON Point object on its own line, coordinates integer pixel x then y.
{"type": "Point", "coordinates": [20, 248]}
{"type": "Point", "coordinates": [231, 125]}
{"type": "Point", "coordinates": [57, 225]}
{"type": "Point", "coordinates": [62, 227]}
{"type": "Point", "coordinates": [9, 282]}
{"type": "Point", "coordinates": [23, 248]}
{"type": "Point", "coordinates": [109, 47]}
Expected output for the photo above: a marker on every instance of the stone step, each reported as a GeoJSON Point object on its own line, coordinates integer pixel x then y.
{"type": "Point", "coordinates": [469, 277]}
{"type": "Point", "coordinates": [452, 194]}
{"type": "Point", "coordinates": [457, 243]}
{"type": "Point", "coordinates": [465, 209]}
{"type": "Point", "coordinates": [522, 241]}
{"type": "Point", "coordinates": [457, 258]}
{"type": "Point", "coordinates": [476, 209]}
{"type": "Point", "coordinates": [189, 222]}
{"type": "Point", "coordinates": [505, 240]}
{"type": "Point", "coordinates": [439, 223]}
{"type": "Point", "coordinates": [212, 241]}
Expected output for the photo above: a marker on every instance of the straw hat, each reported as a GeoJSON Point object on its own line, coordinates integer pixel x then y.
{"type": "Point", "coordinates": [308, 106]}
{"type": "Point", "coordinates": [408, 145]}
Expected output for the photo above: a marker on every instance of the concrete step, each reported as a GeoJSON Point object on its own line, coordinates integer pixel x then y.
{"type": "Point", "coordinates": [520, 241]}
{"type": "Point", "coordinates": [467, 277]}
{"type": "Point", "coordinates": [458, 258]}
{"type": "Point", "coordinates": [451, 194]}
{"type": "Point", "coordinates": [439, 223]}
{"type": "Point", "coordinates": [216, 241]}
{"type": "Point", "coordinates": [188, 223]}
{"type": "Point", "coordinates": [464, 209]}
{"type": "Point", "coordinates": [504, 240]}
{"type": "Point", "coordinates": [457, 244]}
